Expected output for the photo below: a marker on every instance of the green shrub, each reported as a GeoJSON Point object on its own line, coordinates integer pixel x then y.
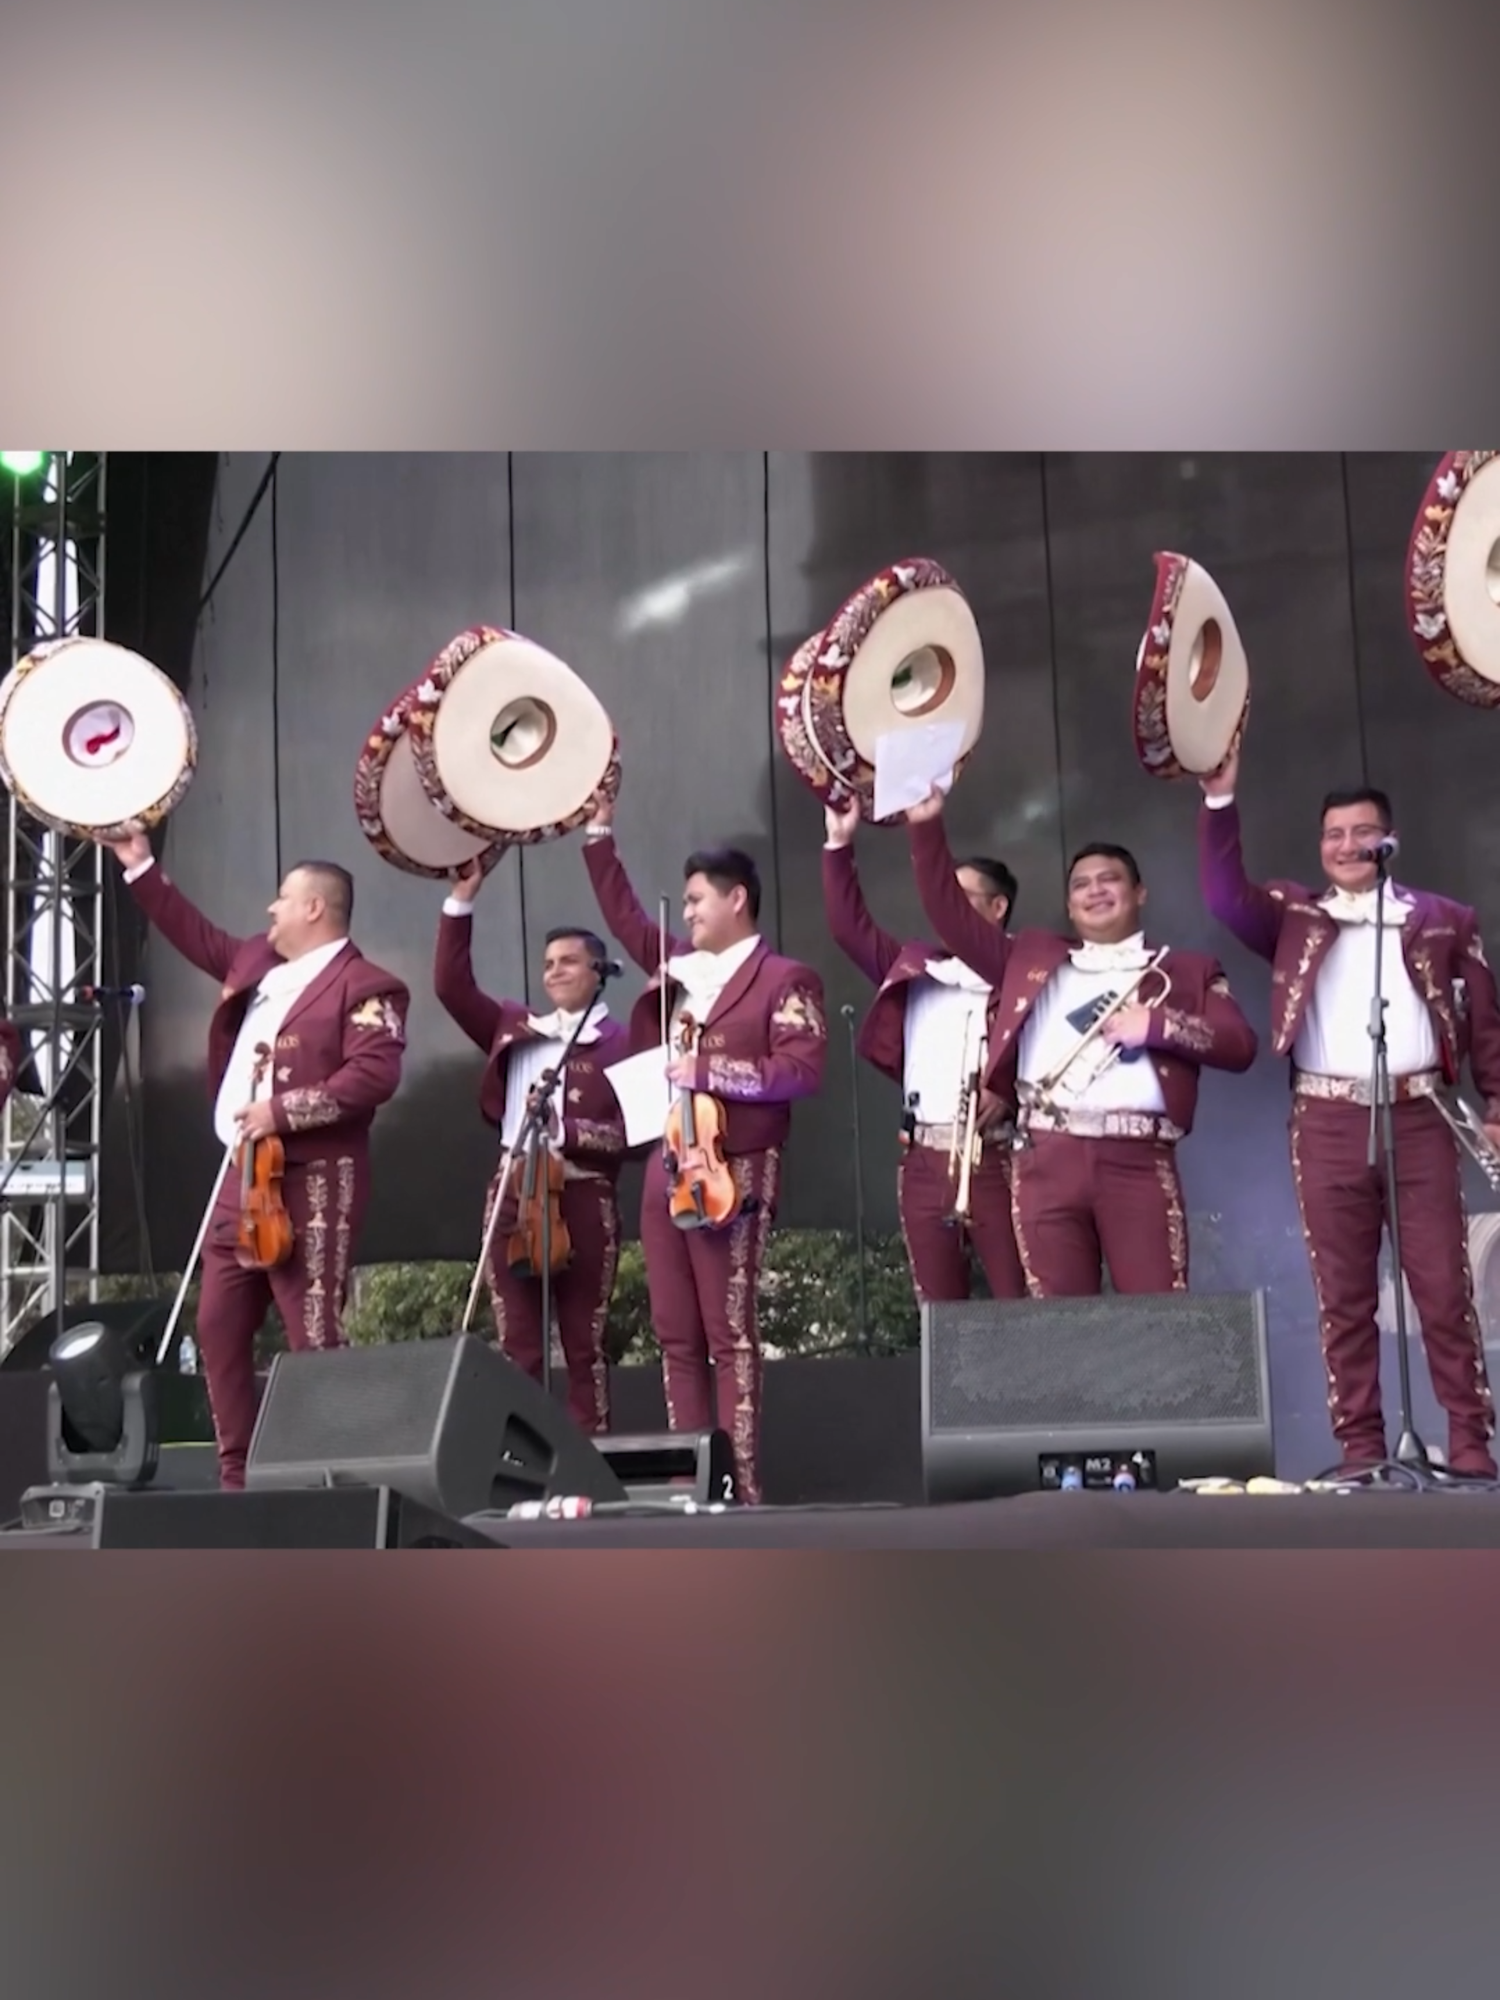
{"type": "Point", "coordinates": [809, 1300]}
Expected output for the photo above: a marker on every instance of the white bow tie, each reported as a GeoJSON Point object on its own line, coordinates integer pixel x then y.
{"type": "Point", "coordinates": [1130, 955]}
{"type": "Point", "coordinates": [557, 1026]}
{"type": "Point", "coordinates": [1347, 908]}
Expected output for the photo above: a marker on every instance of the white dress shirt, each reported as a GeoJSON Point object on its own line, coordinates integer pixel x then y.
{"type": "Point", "coordinates": [1093, 975]}
{"type": "Point", "coordinates": [267, 1009]}
{"type": "Point", "coordinates": [1334, 1037]}
{"type": "Point", "coordinates": [945, 1013]}
{"type": "Point", "coordinates": [528, 1059]}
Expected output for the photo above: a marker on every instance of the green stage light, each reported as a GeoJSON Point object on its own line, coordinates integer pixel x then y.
{"type": "Point", "coordinates": [23, 463]}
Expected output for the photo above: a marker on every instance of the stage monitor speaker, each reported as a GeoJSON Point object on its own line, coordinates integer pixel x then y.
{"type": "Point", "coordinates": [1028, 1395]}
{"type": "Point", "coordinates": [674, 1465]}
{"type": "Point", "coordinates": [449, 1423]}
{"type": "Point", "coordinates": [339, 1517]}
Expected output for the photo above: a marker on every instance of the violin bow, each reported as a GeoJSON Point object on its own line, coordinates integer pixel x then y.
{"type": "Point", "coordinates": [164, 1345]}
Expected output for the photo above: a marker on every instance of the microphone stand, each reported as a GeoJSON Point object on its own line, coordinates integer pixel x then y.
{"type": "Point", "coordinates": [859, 1185]}
{"type": "Point", "coordinates": [1410, 1450]}
{"type": "Point", "coordinates": [531, 1140]}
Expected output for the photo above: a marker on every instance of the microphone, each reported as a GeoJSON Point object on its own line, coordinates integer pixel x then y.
{"type": "Point", "coordinates": [608, 968]}
{"type": "Point", "coordinates": [1381, 850]}
{"type": "Point", "coordinates": [128, 996]}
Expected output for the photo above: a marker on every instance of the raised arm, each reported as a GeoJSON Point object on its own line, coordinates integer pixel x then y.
{"type": "Point", "coordinates": [982, 946]}
{"type": "Point", "coordinates": [797, 1051]}
{"type": "Point", "coordinates": [180, 922]}
{"type": "Point", "coordinates": [854, 930]}
{"type": "Point", "coordinates": [1218, 1038]}
{"type": "Point", "coordinates": [374, 1042]}
{"type": "Point", "coordinates": [453, 981]}
{"type": "Point", "coordinates": [1244, 907]}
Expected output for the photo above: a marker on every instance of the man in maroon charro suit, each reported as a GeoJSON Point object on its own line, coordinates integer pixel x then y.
{"type": "Point", "coordinates": [762, 1043]}
{"type": "Point", "coordinates": [1096, 1177]}
{"type": "Point", "coordinates": [335, 1028]}
{"type": "Point", "coordinates": [1440, 1006]}
{"type": "Point", "coordinates": [928, 1009]}
{"type": "Point", "coordinates": [587, 1128]}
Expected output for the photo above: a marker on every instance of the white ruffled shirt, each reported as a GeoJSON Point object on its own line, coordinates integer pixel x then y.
{"type": "Point", "coordinates": [703, 976]}
{"type": "Point", "coordinates": [945, 1017]}
{"type": "Point", "coordinates": [1093, 975]}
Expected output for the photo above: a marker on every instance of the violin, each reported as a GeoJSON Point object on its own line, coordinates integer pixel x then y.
{"type": "Point", "coordinates": [539, 1235]}
{"type": "Point", "coordinates": [701, 1190]}
{"type": "Point", "coordinates": [263, 1233]}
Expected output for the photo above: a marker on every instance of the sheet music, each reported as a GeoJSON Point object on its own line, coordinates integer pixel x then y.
{"type": "Point", "coordinates": [643, 1093]}
{"type": "Point", "coordinates": [909, 762]}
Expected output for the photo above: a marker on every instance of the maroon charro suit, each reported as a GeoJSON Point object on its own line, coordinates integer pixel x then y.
{"type": "Point", "coordinates": [593, 1147]}
{"type": "Point", "coordinates": [1105, 1187]}
{"type": "Point", "coordinates": [935, 1247]}
{"type": "Point", "coordinates": [1341, 1197]}
{"type": "Point", "coordinates": [336, 1059]}
{"type": "Point", "coordinates": [763, 1046]}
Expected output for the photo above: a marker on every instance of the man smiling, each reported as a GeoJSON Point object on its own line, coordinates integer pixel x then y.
{"type": "Point", "coordinates": [1440, 1005]}
{"type": "Point", "coordinates": [1095, 1182]}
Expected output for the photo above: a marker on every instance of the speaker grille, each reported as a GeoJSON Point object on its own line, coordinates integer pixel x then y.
{"type": "Point", "coordinates": [1058, 1364]}
{"type": "Point", "coordinates": [392, 1393]}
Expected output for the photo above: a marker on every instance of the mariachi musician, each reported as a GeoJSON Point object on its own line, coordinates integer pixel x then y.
{"type": "Point", "coordinates": [587, 1133]}
{"type": "Point", "coordinates": [748, 1035]}
{"type": "Point", "coordinates": [1440, 1005]}
{"type": "Point", "coordinates": [305, 1045]}
{"type": "Point", "coordinates": [926, 1030]}
{"type": "Point", "coordinates": [1101, 1038]}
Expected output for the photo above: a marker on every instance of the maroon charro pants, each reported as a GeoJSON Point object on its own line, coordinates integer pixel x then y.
{"type": "Point", "coordinates": [937, 1249]}
{"type": "Point", "coordinates": [1080, 1204]}
{"type": "Point", "coordinates": [1342, 1199]}
{"type": "Point", "coordinates": [580, 1298]}
{"type": "Point", "coordinates": [703, 1286]}
{"type": "Point", "coordinates": [326, 1201]}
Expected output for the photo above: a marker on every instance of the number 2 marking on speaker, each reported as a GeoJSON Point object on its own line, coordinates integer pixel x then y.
{"type": "Point", "coordinates": [728, 1485]}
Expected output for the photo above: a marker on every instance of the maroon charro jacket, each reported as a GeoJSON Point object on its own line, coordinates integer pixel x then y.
{"type": "Point", "coordinates": [338, 1056]}
{"type": "Point", "coordinates": [887, 963]}
{"type": "Point", "coordinates": [10, 1060]}
{"type": "Point", "coordinates": [765, 1043]}
{"type": "Point", "coordinates": [1285, 923]}
{"type": "Point", "coordinates": [593, 1129]}
{"type": "Point", "coordinates": [1199, 1024]}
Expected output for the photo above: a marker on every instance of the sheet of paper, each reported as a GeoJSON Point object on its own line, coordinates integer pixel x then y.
{"type": "Point", "coordinates": [640, 1085]}
{"type": "Point", "coordinates": [909, 762]}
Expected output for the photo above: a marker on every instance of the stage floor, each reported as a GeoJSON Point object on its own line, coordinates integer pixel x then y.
{"type": "Point", "coordinates": [1355, 1520]}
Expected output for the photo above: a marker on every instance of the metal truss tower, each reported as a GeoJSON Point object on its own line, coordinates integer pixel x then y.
{"type": "Point", "coordinates": [54, 902]}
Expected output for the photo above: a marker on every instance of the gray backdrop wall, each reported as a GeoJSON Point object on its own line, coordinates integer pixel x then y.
{"type": "Point", "coordinates": [677, 585]}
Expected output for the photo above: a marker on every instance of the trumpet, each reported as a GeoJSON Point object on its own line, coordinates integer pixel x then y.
{"type": "Point", "coordinates": [965, 1146]}
{"type": "Point", "coordinates": [1468, 1128]}
{"type": "Point", "coordinates": [1091, 1056]}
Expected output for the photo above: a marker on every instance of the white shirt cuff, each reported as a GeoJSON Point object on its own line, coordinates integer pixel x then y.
{"type": "Point", "coordinates": [134, 874]}
{"type": "Point", "coordinates": [1225, 799]}
{"type": "Point", "coordinates": [453, 906]}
